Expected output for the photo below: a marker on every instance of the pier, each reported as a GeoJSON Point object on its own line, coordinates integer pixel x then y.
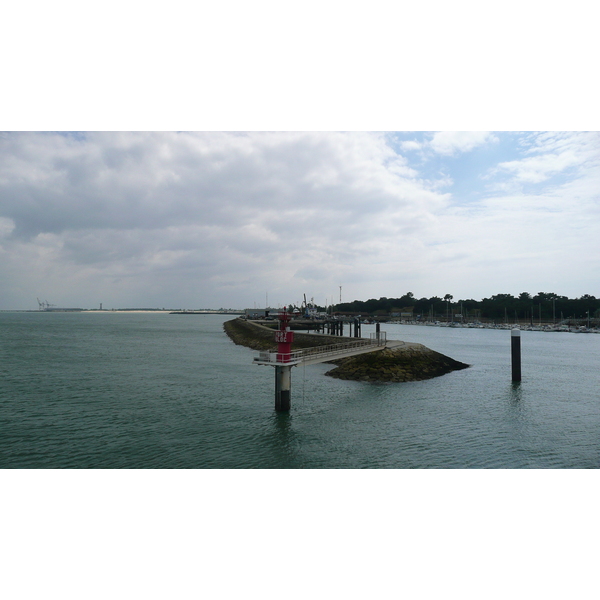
{"type": "Point", "coordinates": [284, 359]}
{"type": "Point", "coordinates": [375, 359]}
{"type": "Point", "coordinates": [318, 354]}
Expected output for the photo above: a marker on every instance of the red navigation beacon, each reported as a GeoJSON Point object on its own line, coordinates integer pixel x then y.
{"type": "Point", "coordinates": [284, 337]}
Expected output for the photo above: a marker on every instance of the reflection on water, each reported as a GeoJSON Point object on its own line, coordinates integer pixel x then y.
{"type": "Point", "coordinates": [516, 391]}
{"type": "Point", "coordinates": [515, 395]}
{"type": "Point", "coordinates": [282, 430]}
{"type": "Point", "coordinates": [284, 441]}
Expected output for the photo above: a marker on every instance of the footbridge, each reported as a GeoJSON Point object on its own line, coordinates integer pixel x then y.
{"type": "Point", "coordinates": [319, 354]}
{"type": "Point", "coordinates": [284, 359]}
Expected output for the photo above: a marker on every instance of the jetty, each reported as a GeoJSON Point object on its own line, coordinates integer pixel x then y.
{"type": "Point", "coordinates": [374, 359]}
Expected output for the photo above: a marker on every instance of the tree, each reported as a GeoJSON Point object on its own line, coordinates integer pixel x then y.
{"type": "Point", "coordinates": [447, 298]}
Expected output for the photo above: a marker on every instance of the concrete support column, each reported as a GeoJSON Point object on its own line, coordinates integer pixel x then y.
{"type": "Point", "coordinates": [283, 387]}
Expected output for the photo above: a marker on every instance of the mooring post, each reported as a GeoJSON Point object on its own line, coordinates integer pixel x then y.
{"type": "Point", "coordinates": [515, 354]}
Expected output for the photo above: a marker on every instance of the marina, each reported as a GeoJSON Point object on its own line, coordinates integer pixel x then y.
{"type": "Point", "coordinates": [547, 327]}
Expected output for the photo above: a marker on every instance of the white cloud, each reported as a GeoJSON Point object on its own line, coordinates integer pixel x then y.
{"type": "Point", "coordinates": [548, 235]}
{"type": "Point", "coordinates": [551, 153]}
{"type": "Point", "coordinates": [409, 145]}
{"type": "Point", "coordinates": [454, 142]}
{"type": "Point", "coordinates": [539, 168]}
{"type": "Point", "coordinates": [6, 226]}
{"type": "Point", "coordinates": [548, 164]}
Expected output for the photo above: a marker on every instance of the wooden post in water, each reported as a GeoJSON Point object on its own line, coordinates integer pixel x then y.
{"type": "Point", "coordinates": [515, 354]}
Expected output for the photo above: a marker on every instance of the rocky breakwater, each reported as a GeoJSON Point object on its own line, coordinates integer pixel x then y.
{"type": "Point", "coordinates": [260, 337]}
{"type": "Point", "coordinates": [403, 362]}
{"type": "Point", "coordinates": [408, 362]}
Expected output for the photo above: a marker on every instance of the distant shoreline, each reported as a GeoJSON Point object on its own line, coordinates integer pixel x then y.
{"type": "Point", "coordinates": [167, 311]}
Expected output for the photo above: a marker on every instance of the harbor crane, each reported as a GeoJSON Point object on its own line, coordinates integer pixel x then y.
{"type": "Point", "coordinates": [44, 304]}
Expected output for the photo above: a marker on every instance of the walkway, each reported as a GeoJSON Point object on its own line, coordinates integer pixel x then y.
{"type": "Point", "coordinates": [319, 354]}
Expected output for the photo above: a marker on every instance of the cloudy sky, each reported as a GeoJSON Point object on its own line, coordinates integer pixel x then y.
{"type": "Point", "coordinates": [215, 219]}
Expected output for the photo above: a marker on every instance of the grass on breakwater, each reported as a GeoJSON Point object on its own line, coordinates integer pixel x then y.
{"type": "Point", "coordinates": [259, 337]}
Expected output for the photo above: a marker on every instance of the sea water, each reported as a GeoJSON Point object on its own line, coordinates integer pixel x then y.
{"type": "Point", "coordinates": [153, 390]}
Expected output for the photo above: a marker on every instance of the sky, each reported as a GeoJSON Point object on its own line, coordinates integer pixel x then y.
{"type": "Point", "coordinates": [235, 219]}
{"type": "Point", "coordinates": [228, 155]}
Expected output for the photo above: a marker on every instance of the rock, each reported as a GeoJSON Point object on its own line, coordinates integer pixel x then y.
{"type": "Point", "coordinates": [414, 363]}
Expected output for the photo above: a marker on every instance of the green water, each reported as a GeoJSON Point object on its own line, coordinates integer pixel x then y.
{"type": "Point", "coordinates": [143, 390]}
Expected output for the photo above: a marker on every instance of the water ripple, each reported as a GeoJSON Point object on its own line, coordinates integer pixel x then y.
{"type": "Point", "coordinates": [148, 391]}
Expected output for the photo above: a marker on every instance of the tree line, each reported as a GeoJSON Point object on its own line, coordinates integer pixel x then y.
{"type": "Point", "coordinates": [543, 306]}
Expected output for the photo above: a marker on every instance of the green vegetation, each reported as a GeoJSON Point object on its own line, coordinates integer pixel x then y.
{"type": "Point", "coordinates": [260, 337]}
{"type": "Point", "coordinates": [546, 307]}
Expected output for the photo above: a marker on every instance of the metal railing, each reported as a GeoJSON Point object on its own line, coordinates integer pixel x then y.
{"type": "Point", "coordinates": [322, 352]}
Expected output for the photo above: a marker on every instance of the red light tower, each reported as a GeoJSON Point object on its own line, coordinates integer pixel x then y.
{"type": "Point", "coordinates": [284, 337]}
{"type": "Point", "coordinates": [283, 373]}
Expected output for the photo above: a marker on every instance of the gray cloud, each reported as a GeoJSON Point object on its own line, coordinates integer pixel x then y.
{"type": "Point", "coordinates": [201, 219]}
